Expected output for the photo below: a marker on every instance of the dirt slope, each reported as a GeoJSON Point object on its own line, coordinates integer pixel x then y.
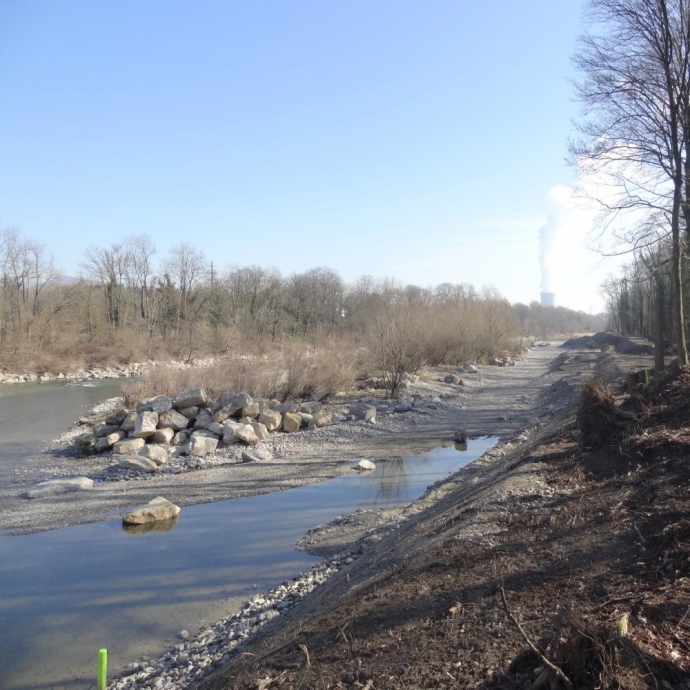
{"type": "Point", "coordinates": [572, 543]}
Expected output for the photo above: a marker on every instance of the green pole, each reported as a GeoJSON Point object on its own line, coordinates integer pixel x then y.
{"type": "Point", "coordinates": [102, 668]}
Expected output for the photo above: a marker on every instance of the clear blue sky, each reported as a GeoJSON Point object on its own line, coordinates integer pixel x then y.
{"type": "Point", "coordinates": [410, 139]}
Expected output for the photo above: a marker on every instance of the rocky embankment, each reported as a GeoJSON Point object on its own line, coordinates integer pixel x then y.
{"type": "Point", "coordinates": [88, 374]}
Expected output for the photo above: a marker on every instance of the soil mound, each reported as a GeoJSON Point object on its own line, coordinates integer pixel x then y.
{"type": "Point", "coordinates": [623, 344]}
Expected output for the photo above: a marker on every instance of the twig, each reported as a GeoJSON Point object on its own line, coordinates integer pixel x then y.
{"type": "Point", "coordinates": [531, 644]}
{"type": "Point", "coordinates": [617, 600]}
{"type": "Point", "coordinates": [303, 647]}
{"type": "Point", "coordinates": [680, 622]}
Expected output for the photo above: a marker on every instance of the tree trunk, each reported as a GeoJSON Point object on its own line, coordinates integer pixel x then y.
{"type": "Point", "coordinates": [659, 325]}
{"type": "Point", "coordinates": [677, 274]}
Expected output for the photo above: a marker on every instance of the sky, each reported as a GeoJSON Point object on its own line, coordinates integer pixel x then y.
{"type": "Point", "coordinates": [424, 141]}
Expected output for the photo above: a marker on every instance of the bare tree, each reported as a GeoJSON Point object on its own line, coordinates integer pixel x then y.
{"type": "Point", "coordinates": [635, 92]}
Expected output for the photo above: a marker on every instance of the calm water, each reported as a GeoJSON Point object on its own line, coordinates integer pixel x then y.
{"type": "Point", "coordinates": [66, 593]}
{"type": "Point", "coordinates": [33, 413]}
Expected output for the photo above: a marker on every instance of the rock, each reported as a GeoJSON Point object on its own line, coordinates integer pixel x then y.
{"type": "Point", "coordinates": [306, 418]}
{"type": "Point", "coordinates": [189, 412]}
{"type": "Point", "coordinates": [215, 428]}
{"type": "Point", "coordinates": [454, 379]}
{"type": "Point", "coordinates": [291, 407]}
{"type": "Point", "coordinates": [53, 487]}
{"type": "Point", "coordinates": [470, 368]}
{"type": "Point", "coordinates": [256, 455]}
{"type": "Point", "coordinates": [86, 444]}
{"type": "Point", "coordinates": [203, 420]}
{"type": "Point", "coordinates": [225, 413]}
{"type": "Point", "coordinates": [173, 419]}
{"type": "Point", "coordinates": [320, 396]}
{"type": "Point", "coordinates": [239, 400]}
{"type": "Point", "coordinates": [229, 432]}
{"type": "Point", "coordinates": [291, 422]}
{"type": "Point", "coordinates": [135, 462]}
{"type": "Point", "coordinates": [160, 404]}
{"type": "Point", "coordinates": [128, 421]}
{"type": "Point", "coordinates": [116, 418]}
{"type": "Point", "coordinates": [101, 429]}
{"type": "Point", "coordinates": [260, 430]}
{"type": "Point", "coordinates": [199, 446]}
{"type": "Point", "coordinates": [191, 396]}
{"type": "Point", "coordinates": [251, 410]}
{"type": "Point", "coordinates": [180, 438]}
{"type": "Point", "coordinates": [363, 412]}
{"type": "Point", "coordinates": [534, 421]}
{"type": "Point", "coordinates": [310, 407]}
{"type": "Point", "coordinates": [145, 424]}
{"type": "Point", "coordinates": [154, 511]}
{"type": "Point", "coordinates": [156, 453]}
{"type": "Point", "coordinates": [245, 432]}
{"type": "Point", "coordinates": [321, 418]}
{"type": "Point", "coordinates": [128, 445]}
{"type": "Point", "coordinates": [271, 419]}
{"type": "Point", "coordinates": [164, 435]}
{"type": "Point", "coordinates": [364, 465]}
{"type": "Point", "coordinates": [402, 407]}
{"type": "Point", "coordinates": [109, 441]}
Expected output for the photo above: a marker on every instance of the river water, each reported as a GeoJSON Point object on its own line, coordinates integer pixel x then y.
{"type": "Point", "coordinates": [66, 593]}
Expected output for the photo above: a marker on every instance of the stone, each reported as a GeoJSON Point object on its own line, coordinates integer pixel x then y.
{"type": "Point", "coordinates": [203, 420]}
{"type": "Point", "coordinates": [239, 400]}
{"type": "Point", "coordinates": [246, 433]}
{"type": "Point", "coordinates": [102, 429]}
{"type": "Point", "coordinates": [291, 422]}
{"type": "Point", "coordinates": [180, 438]}
{"type": "Point", "coordinates": [128, 421]}
{"type": "Point", "coordinates": [363, 412]}
{"type": "Point", "coordinates": [260, 430]}
{"type": "Point", "coordinates": [320, 396]}
{"type": "Point", "coordinates": [251, 410]}
{"type": "Point", "coordinates": [154, 511]}
{"type": "Point", "coordinates": [135, 462]}
{"type": "Point", "coordinates": [191, 396]}
{"type": "Point", "coordinates": [321, 418]}
{"type": "Point", "coordinates": [402, 407]}
{"type": "Point", "coordinates": [271, 419]}
{"type": "Point", "coordinates": [164, 435]}
{"type": "Point", "coordinates": [173, 419]}
{"type": "Point", "coordinates": [225, 413]}
{"type": "Point", "coordinates": [116, 418]}
{"type": "Point", "coordinates": [229, 432]}
{"type": "Point", "coordinates": [128, 445]}
{"type": "Point", "coordinates": [470, 368]}
{"type": "Point", "coordinates": [109, 441]}
{"type": "Point", "coordinates": [189, 412]}
{"type": "Point", "coordinates": [156, 453]}
{"type": "Point", "coordinates": [256, 455]}
{"type": "Point", "coordinates": [287, 407]}
{"type": "Point", "coordinates": [364, 466]}
{"type": "Point", "coordinates": [199, 446]}
{"type": "Point", "coordinates": [160, 404]}
{"type": "Point", "coordinates": [215, 428]}
{"type": "Point", "coordinates": [86, 444]}
{"type": "Point", "coordinates": [310, 407]}
{"type": "Point", "coordinates": [306, 418]}
{"type": "Point", "coordinates": [145, 424]}
{"type": "Point", "coordinates": [54, 487]}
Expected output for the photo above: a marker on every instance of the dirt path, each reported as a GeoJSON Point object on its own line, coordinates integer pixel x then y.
{"type": "Point", "coordinates": [497, 401]}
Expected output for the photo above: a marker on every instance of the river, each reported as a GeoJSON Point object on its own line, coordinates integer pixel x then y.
{"type": "Point", "coordinates": [68, 592]}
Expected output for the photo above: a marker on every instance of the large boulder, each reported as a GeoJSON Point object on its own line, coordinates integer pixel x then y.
{"type": "Point", "coordinates": [239, 400]}
{"type": "Point", "coordinates": [199, 446]}
{"type": "Point", "coordinates": [470, 368]}
{"type": "Point", "coordinates": [260, 430]}
{"type": "Point", "coordinates": [109, 441]}
{"type": "Point", "coordinates": [136, 462]}
{"type": "Point", "coordinates": [215, 428]}
{"type": "Point", "coordinates": [173, 419]}
{"type": "Point", "coordinates": [291, 407]}
{"type": "Point", "coordinates": [189, 412]}
{"type": "Point", "coordinates": [365, 466]}
{"type": "Point", "coordinates": [128, 421]}
{"type": "Point", "coordinates": [164, 435]}
{"type": "Point", "coordinates": [402, 407]}
{"type": "Point", "coordinates": [245, 432]}
{"type": "Point", "coordinates": [251, 410]}
{"type": "Point", "coordinates": [256, 455]}
{"type": "Point", "coordinates": [191, 396]}
{"type": "Point", "coordinates": [291, 422]}
{"type": "Point", "coordinates": [53, 487]}
{"type": "Point", "coordinates": [160, 404]}
{"type": "Point", "coordinates": [225, 413]}
{"type": "Point", "coordinates": [154, 511]}
{"type": "Point", "coordinates": [363, 412]}
{"type": "Point", "coordinates": [128, 445]}
{"type": "Point", "coordinates": [310, 407]}
{"type": "Point", "coordinates": [180, 438]}
{"type": "Point", "coordinates": [156, 453]}
{"type": "Point", "coordinates": [145, 424]}
{"type": "Point", "coordinates": [271, 419]}
{"type": "Point", "coordinates": [100, 430]}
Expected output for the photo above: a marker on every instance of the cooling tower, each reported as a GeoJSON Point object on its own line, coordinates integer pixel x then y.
{"type": "Point", "coordinates": [548, 299]}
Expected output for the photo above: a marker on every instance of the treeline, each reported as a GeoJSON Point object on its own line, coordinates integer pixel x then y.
{"type": "Point", "coordinates": [538, 321]}
{"type": "Point", "coordinates": [130, 304]}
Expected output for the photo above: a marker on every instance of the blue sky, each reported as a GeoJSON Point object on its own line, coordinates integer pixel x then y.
{"type": "Point", "coordinates": [417, 140]}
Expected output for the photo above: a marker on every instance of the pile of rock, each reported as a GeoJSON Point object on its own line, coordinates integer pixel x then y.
{"type": "Point", "coordinates": [381, 382]}
{"type": "Point", "coordinates": [128, 371]}
{"type": "Point", "coordinates": [193, 425]}
{"type": "Point", "coordinates": [502, 360]}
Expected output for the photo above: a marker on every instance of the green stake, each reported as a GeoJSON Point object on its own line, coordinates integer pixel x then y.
{"type": "Point", "coordinates": [102, 668]}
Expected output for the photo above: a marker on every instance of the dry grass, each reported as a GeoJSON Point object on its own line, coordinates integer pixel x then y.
{"type": "Point", "coordinates": [292, 372]}
{"type": "Point", "coordinates": [601, 422]}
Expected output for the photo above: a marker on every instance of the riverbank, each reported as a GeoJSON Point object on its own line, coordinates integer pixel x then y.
{"type": "Point", "coordinates": [497, 401]}
{"type": "Point", "coordinates": [576, 541]}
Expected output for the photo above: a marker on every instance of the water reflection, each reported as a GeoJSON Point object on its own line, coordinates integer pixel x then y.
{"type": "Point", "coordinates": [159, 526]}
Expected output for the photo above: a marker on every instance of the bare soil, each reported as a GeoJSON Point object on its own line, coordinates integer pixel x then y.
{"type": "Point", "coordinates": [553, 565]}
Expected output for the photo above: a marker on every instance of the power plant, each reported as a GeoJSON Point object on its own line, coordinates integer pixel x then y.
{"type": "Point", "coordinates": [548, 299]}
